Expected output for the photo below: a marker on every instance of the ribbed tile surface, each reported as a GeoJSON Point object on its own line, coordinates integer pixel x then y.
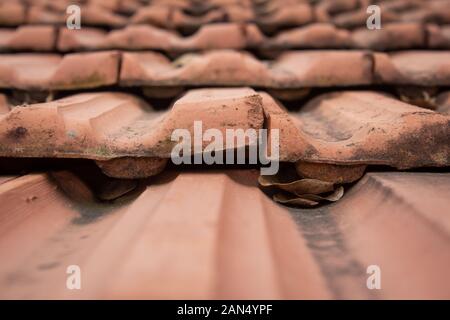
{"type": "Point", "coordinates": [351, 127]}
{"type": "Point", "coordinates": [215, 235]}
{"type": "Point", "coordinates": [51, 71]}
{"type": "Point", "coordinates": [108, 125]}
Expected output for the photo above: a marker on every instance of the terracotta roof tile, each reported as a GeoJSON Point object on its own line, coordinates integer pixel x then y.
{"type": "Point", "coordinates": [361, 127]}
{"type": "Point", "coordinates": [105, 126]}
{"type": "Point", "coordinates": [394, 36]}
{"type": "Point", "coordinates": [439, 36]}
{"type": "Point", "coordinates": [35, 38]}
{"type": "Point", "coordinates": [317, 35]}
{"type": "Point", "coordinates": [387, 219]}
{"type": "Point", "coordinates": [389, 215]}
{"type": "Point", "coordinates": [137, 37]}
{"type": "Point", "coordinates": [208, 234]}
{"type": "Point", "coordinates": [226, 67]}
{"type": "Point", "coordinates": [91, 15]}
{"type": "Point", "coordinates": [4, 105]}
{"type": "Point", "coordinates": [218, 262]}
{"type": "Point", "coordinates": [428, 68]}
{"type": "Point", "coordinates": [280, 13]}
{"type": "Point", "coordinates": [431, 11]}
{"type": "Point", "coordinates": [51, 71]}
{"type": "Point", "coordinates": [11, 13]}
{"type": "Point", "coordinates": [171, 17]}
{"type": "Point", "coordinates": [443, 103]}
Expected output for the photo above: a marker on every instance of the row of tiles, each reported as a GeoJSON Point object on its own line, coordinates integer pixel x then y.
{"type": "Point", "coordinates": [275, 13]}
{"type": "Point", "coordinates": [238, 244]}
{"type": "Point", "coordinates": [395, 36]}
{"type": "Point", "coordinates": [291, 69]}
{"type": "Point", "coordinates": [340, 131]}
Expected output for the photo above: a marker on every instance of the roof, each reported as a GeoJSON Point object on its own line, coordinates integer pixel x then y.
{"type": "Point", "coordinates": [214, 234]}
{"type": "Point", "coordinates": [87, 118]}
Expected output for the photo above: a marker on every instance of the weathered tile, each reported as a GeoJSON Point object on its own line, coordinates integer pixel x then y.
{"type": "Point", "coordinates": [397, 222]}
{"type": "Point", "coordinates": [4, 104]}
{"type": "Point", "coordinates": [12, 13]}
{"type": "Point", "coordinates": [317, 35]}
{"type": "Point", "coordinates": [423, 68]}
{"type": "Point", "coordinates": [393, 36]}
{"type": "Point", "coordinates": [122, 129]}
{"type": "Point", "coordinates": [280, 13]}
{"type": "Point", "coordinates": [443, 103]}
{"type": "Point", "coordinates": [361, 127]}
{"type": "Point", "coordinates": [34, 38]}
{"type": "Point", "coordinates": [438, 36]}
{"type": "Point", "coordinates": [157, 250]}
{"type": "Point", "coordinates": [138, 37]}
{"type": "Point", "coordinates": [92, 15]}
{"type": "Point", "coordinates": [294, 69]}
{"type": "Point", "coordinates": [53, 72]}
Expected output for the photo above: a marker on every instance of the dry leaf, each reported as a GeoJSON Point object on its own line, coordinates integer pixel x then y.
{"type": "Point", "coordinates": [335, 196]}
{"type": "Point", "coordinates": [294, 200]}
{"type": "Point", "coordinates": [298, 187]}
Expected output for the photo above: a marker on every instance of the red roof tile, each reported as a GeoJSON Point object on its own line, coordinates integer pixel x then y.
{"type": "Point", "coordinates": [394, 36]}
{"type": "Point", "coordinates": [428, 68]}
{"type": "Point", "coordinates": [397, 222]}
{"type": "Point", "coordinates": [137, 37]}
{"type": "Point", "coordinates": [11, 13]}
{"type": "Point", "coordinates": [91, 15]}
{"type": "Point", "coordinates": [225, 67]}
{"type": "Point", "coordinates": [443, 103]}
{"type": "Point", "coordinates": [361, 127]}
{"type": "Point", "coordinates": [438, 37]}
{"type": "Point", "coordinates": [105, 126]}
{"type": "Point", "coordinates": [34, 38]}
{"type": "Point", "coordinates": [238, 245]}
{"type": "Point", "coordinates": [51, 71]}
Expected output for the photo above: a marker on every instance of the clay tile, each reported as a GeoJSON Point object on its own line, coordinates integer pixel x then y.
{"type": "Point", "coordinates": [364, 127]}
{"type": "Point", "coordinates": [82, 39]}
{"type": "Point", "coordinates": [38, 15]}
{"type": "Point", "coordinates": [431, 12]}
{"type": "Point", "coordinates": [119, 127]}
{"type": "Point", "coordinates": [443, 103]}
{"type": "Point", "coordinates": [222, 67]}
{"type": "Point", "coordinates": [393, 36]}
{"type": "Point", "coordinates": [180, 19]}
{"type": "Point", "coordinates": [322, 68]}
{"type": "Point", "coordinates": [365, 216]}
{"type": "Point", "coordinates": [358, 18]}
{"type": "Point", "coordinates": [157, 15]}
{"type": "Point", "coordinates": [48, 72]}
{"type": "Point", "coordinates": [225, 67]}
{"type": "Point", "coordinates": [91, 15]}
{"type": "Point", "coordinates": [99, 16]}
{"type": "Point", "coordinates": [209, 252]}
{"type": "Point", "coordinates": [438, 36]}
{"type": "Point", "coordinates": [425, 68]}
{"type": "Point", "coordinates": [12, 13]}
{"type": "Point", "coordinates": [138, 37]}
{"type": "Point", "coordinates": [287, 15]}
{"type": "Point", "coordinates": [4, 105]}
{"type": "Point", "coordinates": [37, 38]}
{"type": "Point", "coordinates": [318, 35]}
{"type": "Point", "coordinates": [214, 36]}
